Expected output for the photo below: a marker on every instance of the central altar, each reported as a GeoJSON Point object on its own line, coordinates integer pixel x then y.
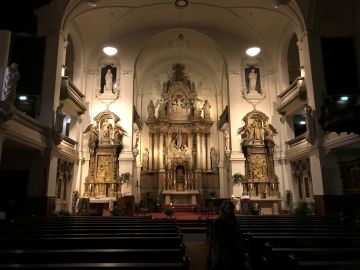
{"type": "Point", "coordinates": [180, 197]}
{"type": "Point", "coordinates": [179, 152]}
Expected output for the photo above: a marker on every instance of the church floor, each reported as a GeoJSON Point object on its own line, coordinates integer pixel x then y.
{"type": "Point", "coordinates": [197, 250]}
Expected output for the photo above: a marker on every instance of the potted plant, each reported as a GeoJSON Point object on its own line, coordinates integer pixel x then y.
{"type": "Point", "coordinates": [169, 212]}
{"type": "Point", "coordinates": [117, 211]}
{"type": "Point", "coordinates": [239, 178]}
{"type": "Point", "coordinates": [63, 213]}
{"type": "Point", "coordinates": [303, 209]}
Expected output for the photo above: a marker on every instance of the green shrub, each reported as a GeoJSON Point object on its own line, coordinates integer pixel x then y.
{"type": "Point", "coordinates": [117, 211]}
{"type": "Point", "coordinates": [63, 213]}
{"type": "Point", "coordinates": [169, 211]}
{"type": "Point", "coordinates": [303, 209]}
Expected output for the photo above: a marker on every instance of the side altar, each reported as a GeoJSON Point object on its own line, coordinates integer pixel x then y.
{"type": "Point", "coordinates": [260, 182]}
{"type": "Point", "coordinates": [105, 144]}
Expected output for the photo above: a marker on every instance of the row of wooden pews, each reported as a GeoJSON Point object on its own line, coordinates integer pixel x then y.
{"type": "Point", "coordinates": [91, 243]}
{"type": "Point", "coordinates": [300, 242]}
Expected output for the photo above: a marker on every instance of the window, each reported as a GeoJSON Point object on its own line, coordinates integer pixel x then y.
{"type": "Point", "coordinates": [299, 123]}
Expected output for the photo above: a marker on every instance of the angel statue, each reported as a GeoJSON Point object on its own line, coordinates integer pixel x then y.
{"type": "Point", "coordinates": [119, 133]}
{"type": "Point", "coordinates": [94, 135]}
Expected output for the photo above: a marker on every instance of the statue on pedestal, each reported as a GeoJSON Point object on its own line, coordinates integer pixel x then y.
{"type": "Point", "coordinates": [94, 135]}
{"type": "Point", "coordinates": [206, 108]}
{"type": "Point", "coordinates": [119, 133]}
{"type": "Point", "coordinates": [106, 129]}
{"type": "Point", "coordinates": [214, 158]}
{"type": "Point", "coordinates": [151, 109]}
{"type": "Point", "coordinates": [145, 159]}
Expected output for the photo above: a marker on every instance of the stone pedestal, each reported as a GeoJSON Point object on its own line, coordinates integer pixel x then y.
{"type": "Point", "coordinates": [180, 197]}
{"type": "Point", "coordinates": [269, 206]}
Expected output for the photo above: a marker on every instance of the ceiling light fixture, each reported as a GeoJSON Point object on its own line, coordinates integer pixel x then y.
{"type": "Point", "coordinates": [92, 3]}
{"type": "Point", "coordinates": [110, 50]}
{"type": "Point", "coordinates": [181, 3]}
{"type": "Point", "coordinates": [253, 51]}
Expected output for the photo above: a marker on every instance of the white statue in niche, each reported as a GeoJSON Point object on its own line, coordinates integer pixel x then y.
{"type": "Point", "coordinates": [252, 80]}
{"type": "Point", "coordinates": [108, 87]}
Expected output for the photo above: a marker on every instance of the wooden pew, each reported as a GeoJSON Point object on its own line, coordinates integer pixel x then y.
{"type": "Point", "coordinates": [80, 244]}
{"type": "Point", "coordinates": [310, 257]}
{"type": "Point", "coordinates": [37, 256]}
{"type": "Point", "coordinates": [97, 266]}
{"type": "Point", "coordinates": [255, 248]}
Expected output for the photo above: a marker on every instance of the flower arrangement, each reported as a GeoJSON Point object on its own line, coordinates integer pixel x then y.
{"type": "Point", "coordinates": [255, 209]}
{"type": "Point", "coordinates": [239, 178]}
{"type": "Point", "coordinates": [125, 178]}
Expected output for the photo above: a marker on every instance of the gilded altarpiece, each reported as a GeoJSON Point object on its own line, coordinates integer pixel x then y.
{"type": "Point", "coordinates": [260, 182]}
{"type": "Point", "coordinates": [105, 144]}
{"type": "Point", "coordinates": [180, 155]}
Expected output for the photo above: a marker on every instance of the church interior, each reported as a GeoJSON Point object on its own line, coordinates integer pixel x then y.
{"type": "Point", "coordinates": [180, 111]}
{"type": "Point", "coordinates": [180, 134]}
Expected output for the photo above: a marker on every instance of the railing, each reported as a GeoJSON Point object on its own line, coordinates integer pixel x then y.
{"type": "Point", "coordinates": [69, 90]}
{"type": "Point", "coordinates": [26, 120]}
{"type": "Point", "coordinates": [297, 140]}
{"type": "Point", "coordinates": [295, 92]}
{"type": "Point", "coordinates": [70, 142]}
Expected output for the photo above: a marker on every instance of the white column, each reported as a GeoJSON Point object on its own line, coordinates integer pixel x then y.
{"type": "Point", "coordinates": [190, 145]}
{"type": "Point", "coordinates": [314, 79]}
{"type": "Point", "coordinates": [203, 151]}
{"type": "Point", "coordinates": [156, 151]}
{"type": "Point", "coordinates": [207, 143]}
{"type": "Point", "coordinates": [54, 55]}
{"type": "Point", "coordinates": [151, 150]}
{"type": "Point", "coordinates": [5, 37]}
{"type": "Point", "coordinates": [161, 151]}
{"type": "Point", "coordinates": [198, 151]}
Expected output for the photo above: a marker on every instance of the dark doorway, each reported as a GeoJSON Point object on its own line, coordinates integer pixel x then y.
{"type": "Point", "coordinates": [14, 190]}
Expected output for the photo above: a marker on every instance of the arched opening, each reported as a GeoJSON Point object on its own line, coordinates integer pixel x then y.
{"type": "Point", "coordinates": [70, 59]}
{"type": "Point", "coordinates": [293, 60]}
